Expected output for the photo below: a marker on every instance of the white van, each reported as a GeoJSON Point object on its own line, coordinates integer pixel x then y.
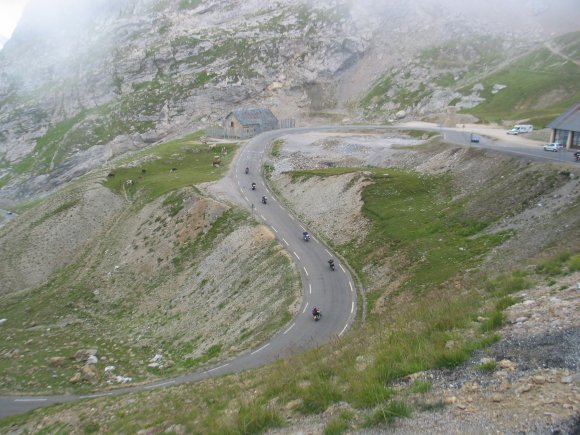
{"type": "Point", "coordinates": [521, 128]}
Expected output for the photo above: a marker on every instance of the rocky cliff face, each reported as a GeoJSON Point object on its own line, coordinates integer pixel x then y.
{"type": "Point", "coordinates": [84, 80]}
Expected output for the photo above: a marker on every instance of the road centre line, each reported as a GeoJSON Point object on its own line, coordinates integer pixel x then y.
{"type": "Point", "coordinates": [310, 287]}
{"type": "Point", "coordinates": [148, 387]}
{"type": "Point", "coordinates": [343, 329]}
{"type": "Point", "coordinates": [291, 217]}
{"type": "Point", "coordinates": [306, 271]}
{"type": "Point", "coordinates": [263, 347]}
{"type": "Point", "coordinates": [352, 308]}
{"type": "Point", "coordinates": [288, 330]}
{"type": "Point", "coordinates": [287, 244]}
{"type": "Point", "coordinates": [275, 230]}
{"type": "Point", "coordinates": [302, 227]}
{"type": "Point", "coordinates": [305, 307]}
{"type": "Point", "coordinates": [92, 396]}
{"type": "Point", "coordinates": [350, 284]}
{"type": "Point", "coordinates": [280, 206]}
{"type": "Point", "coordinates": [328, 252]}
{"type": "Point", "coordinates": [246, 198]}
{"type": "Point", "coordinates": [262, 216]}
{"type": "Point", "coordinates": [30, 400]}
{"type": "Point", "coordinates": [297, 256]}
{"type": "Point", "coordinates": [342, 268]}
{"type": "Point", "coordinates": [217, 368]}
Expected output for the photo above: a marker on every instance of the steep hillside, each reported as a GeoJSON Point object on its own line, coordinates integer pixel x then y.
{"type": "Point", "coordinates": [137, 270]}
{"type": "Point", "coordinates": [469, 262]}
{"type": "Point", "coordinates": [537, 87]}
{"type": "Point", "coordinates": [83, 81]}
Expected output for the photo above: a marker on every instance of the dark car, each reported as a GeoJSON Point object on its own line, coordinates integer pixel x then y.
{"type": "Point", "coordinates": [475, 138]}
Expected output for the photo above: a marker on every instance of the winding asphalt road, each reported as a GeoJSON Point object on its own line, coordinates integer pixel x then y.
{"type": "Point", "coordinates": [333, 292]}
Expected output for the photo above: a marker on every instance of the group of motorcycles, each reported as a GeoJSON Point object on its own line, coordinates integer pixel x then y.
{"type": "Point", "coordinates": [316, 313]}
{"type": "Point", "coordinates": [264, 199]}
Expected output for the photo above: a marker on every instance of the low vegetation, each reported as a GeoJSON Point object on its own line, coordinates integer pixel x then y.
{"type": "Point", "coordinates": [539, 87]}
{"type": "Point", "coordinates": [427, 235]}
{"type": "Point", "coordinates": [169, 167]}
{"type": "Point", "coordinates": [141, 289]}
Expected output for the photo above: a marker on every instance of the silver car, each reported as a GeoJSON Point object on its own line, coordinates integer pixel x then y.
{"type": "Point", "coordinates": [553, 147]}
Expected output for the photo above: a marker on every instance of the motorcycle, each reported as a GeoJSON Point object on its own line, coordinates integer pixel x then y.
{"type": "Point", "coordinates": [264, 200]}
{"type": "Point", "coordinates": [247, 171]}
{"type": "Point", "coordinates": [253, 186]}
{"type": "Point", "coordinates": [306, 236]}
{"type": "Point", "coordinates": [331, 264]}
{"type": "Point", "coordinates": [577, 156]}
{"type": "Point", "coordinates": [316, 316]}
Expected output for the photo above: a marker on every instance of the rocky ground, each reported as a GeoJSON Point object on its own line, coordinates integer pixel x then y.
{"type": "Point", "coordinates": [534, 386]}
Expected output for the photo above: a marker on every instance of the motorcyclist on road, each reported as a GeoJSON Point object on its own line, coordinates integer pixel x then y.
{"type": "Point", "coordinates": [331, 264]}
{"type": "Point", "coordinates": [306, 236]}
{"type": "Point", "coordinates": [253, 186]}
{"type": "Point", "coordinates": [247, 170]}
{"type": "Point", "coordinates": [315, 312]}
{"type": "Point", "coordinates": [264, 200]}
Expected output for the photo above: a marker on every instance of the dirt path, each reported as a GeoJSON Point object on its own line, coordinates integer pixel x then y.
{"type": "Point", "coordinates": [559, 53]}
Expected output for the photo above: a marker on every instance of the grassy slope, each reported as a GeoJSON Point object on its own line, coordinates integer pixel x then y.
{"type": "Point", "coordinates": [540, 86]}
{"type": "Point", "coordinates": [411, 215]}
{"type": "Point", "coordinates": [66, 314]}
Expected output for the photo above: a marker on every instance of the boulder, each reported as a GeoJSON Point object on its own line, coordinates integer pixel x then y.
{"type": "Point", "coordinates": [89, 374]}
{"type": "Point", "coordinates": [84, 354]}
{"type": "Point", "coordinates": [56, 361]}
{"type": "Point", "coordinates": [75, 379]}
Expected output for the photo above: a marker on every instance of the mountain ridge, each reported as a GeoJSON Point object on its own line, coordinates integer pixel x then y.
{"type": "Point", "coordinates": [103, 78]}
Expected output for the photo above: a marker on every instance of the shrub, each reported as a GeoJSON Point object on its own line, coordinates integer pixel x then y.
{"type": "Point", "coordinates": [387, 414]}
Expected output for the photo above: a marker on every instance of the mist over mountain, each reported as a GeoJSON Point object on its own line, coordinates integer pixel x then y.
{"type": "Point", "coordinates": [84, 80]}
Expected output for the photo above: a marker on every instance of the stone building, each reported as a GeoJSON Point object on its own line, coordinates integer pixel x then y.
{"type": "Point", "coordinates": [249, 122]}
{"type": "Point", "coordinates": [566, 127]}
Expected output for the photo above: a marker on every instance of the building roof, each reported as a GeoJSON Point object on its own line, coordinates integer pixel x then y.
{"type": "Point", "coordinates": [254, 116]}
{"type": "Point", "coordinates": [569, 120]}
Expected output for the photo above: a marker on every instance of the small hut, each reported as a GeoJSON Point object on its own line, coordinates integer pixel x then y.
{"type": "Point", "coordinates": [245, 123]}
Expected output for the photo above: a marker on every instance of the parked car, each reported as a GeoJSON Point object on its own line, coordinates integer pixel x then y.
{"type": "Point", "coordinates": [521, 128]}
{"type": "Point", "coordinates": [553, 147]}
{"type": "Point", "coordinates": [474, 138]}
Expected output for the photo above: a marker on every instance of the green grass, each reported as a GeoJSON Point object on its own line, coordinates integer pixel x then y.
{"type": "Point", "coordinates": [530, 80]}
{"type": "Point", "coordinates": [420, 387]}
{"type": "Point", "coordinates": [189, 4]}
{"type": "Point", "coordinates": [561, 264]}
{"type": "Point", "coordinates": [487, 367]}
{"type": "Point", "coordinates": [507, 284]}
{"type": "Point", "coordinates": [192, 162]}
{"type": "Point", "coordinates": [387, 414]}
{"type": "Point", "coordinates": [418, 227]}
{"type": "Point", "coordinates": [339, 424]}
{"type": "Point", "coordinates": [276, 147]}
{"type": "Point", "coordinates": [377, 94]}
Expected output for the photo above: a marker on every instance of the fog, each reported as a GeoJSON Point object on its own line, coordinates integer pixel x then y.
{"type": "Point", "coordinates": [554, 16]}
